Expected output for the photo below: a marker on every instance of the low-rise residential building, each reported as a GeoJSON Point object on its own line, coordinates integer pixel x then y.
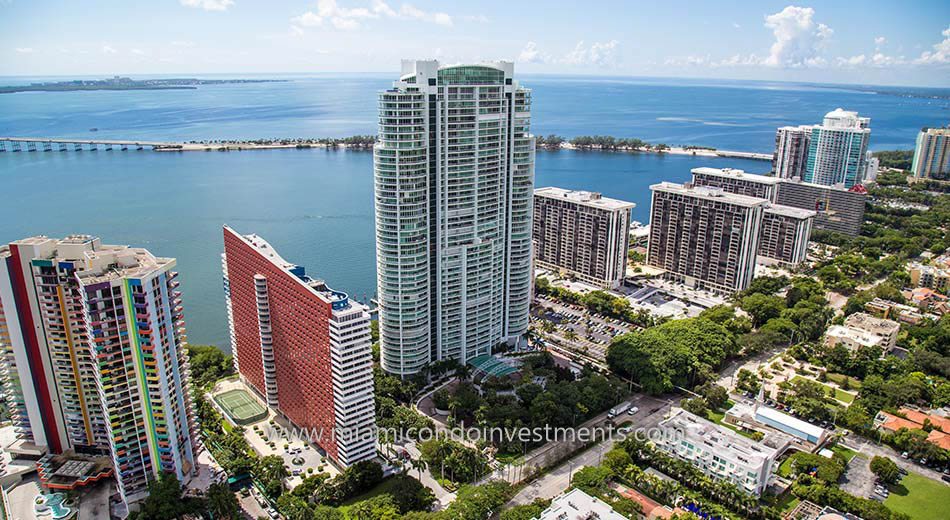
{"type": "Point", "coordinates": [806, 510]}
{"type": "Point", "coordinates": [649, 509]}
{"type": "Point", "coordinates": [718, 451]}
{"type": "Point", "coordinates": [582, 233]}
{"type": "Point", "coordinates": [935, 276]}
{"type": "Point", "coordinates": [577, 505]}
{"type": "Point", "coordinates": [898, 311]}
{"type": "Point", "coordinates": [885, 329]}
{"type": "Point", "coordinates": [926, 298]}
{"type": "Point", "coordinates": [912, 419]}
{"type": "Point", "coordinates": [852, 338]}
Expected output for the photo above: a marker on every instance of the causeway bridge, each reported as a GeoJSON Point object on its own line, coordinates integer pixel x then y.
{"type": "Point", "coordinates": [45, 144]}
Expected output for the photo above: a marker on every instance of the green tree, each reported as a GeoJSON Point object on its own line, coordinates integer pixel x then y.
{"type": "Point", "coordinates": [208, 364]}
{"type": "Point", "coordinates": [271, 472]}
{"type": "Point", "coordinates": [762, 307]}
{"type": "Point", "coordinates": [165, 501]}
{"type": "Point", "coordinates": [222, 503]}
{"type": "Point", "coordinates": [617, 461]}
{"type": "Point", "coordinates": [885, 469]}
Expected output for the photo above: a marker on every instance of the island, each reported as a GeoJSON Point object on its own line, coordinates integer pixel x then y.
{"type": "Point", "coordinates": [124, 83]}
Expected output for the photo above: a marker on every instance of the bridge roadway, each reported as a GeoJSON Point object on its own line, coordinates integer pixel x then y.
{"type": "Point", "coordinates": [46, 144]}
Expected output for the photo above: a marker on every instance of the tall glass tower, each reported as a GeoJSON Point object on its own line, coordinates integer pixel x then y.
{"type": "Point", "coordinates": [454, 178]}
{"type": "Point", "coordinates": [837, 150]}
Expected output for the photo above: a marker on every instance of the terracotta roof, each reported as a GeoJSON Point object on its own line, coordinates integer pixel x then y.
{"type": "Point", "coordinates": [941, 423]}
{"type": "Point", "coordinates": [647, 504]}
{"type": "Point", "coordinates": [940, 439]}
{"type": "Point", "coordinates": [894, 423]}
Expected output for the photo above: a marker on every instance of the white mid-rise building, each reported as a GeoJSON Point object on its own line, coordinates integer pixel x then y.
{"type": "Point", "coordinates": [454, 180]}
{"type": "Point", "coordinates": [718, 451]}
{"type": "Point", "coordinates": [578, 505]}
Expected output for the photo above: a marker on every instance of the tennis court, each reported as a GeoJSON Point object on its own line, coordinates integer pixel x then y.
{"type": "Point", "coordinates": [241, 407]}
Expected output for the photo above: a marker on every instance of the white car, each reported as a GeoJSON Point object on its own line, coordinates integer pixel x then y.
{"type": "Point", "coordinates": [633, 411]}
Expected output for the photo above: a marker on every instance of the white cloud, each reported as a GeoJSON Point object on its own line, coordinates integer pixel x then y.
{"type": "Point", "coordinates": [798, 38]}
{"type": "Point", "coordinates": [106, 49]}
{"type": "Point", "coordinates": [940, 52]}
{"type": "Point", "coordinates": [345, 18]}
{"type": "Point", "coordinates": [532, 54]}
{"type": "Point", "coordinates": [879, 41]}
{"type": "Point", "coordinates": [186, 44]}
{"type": "Point", "coordinates": [24, 50]}
{"type": "Point", "coordinates": [599, 53]}
{"type": "Point", "coordinates": [208, 5]}
{"type": "Point", "coordinates": [138, 52]}
{"type": "Point", "coordinates": [735, 25]}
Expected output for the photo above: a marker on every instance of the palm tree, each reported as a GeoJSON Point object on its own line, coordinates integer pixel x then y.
{"type": "Point", "coordinates": [570, 335]}
{"type": "Point", "coordinates": [420, 465]}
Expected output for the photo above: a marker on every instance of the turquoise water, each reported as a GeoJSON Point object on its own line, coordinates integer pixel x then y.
{"type": "Point", "coordinates": [315, 206]}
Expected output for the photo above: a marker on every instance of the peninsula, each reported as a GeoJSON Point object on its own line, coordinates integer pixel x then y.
{"type": "Point", "coordinates": [124, 83]}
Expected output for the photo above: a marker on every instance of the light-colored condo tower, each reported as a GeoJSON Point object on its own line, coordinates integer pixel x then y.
{"type": "Point", "coordinates": [834, 153]}
{"type": "Point", "coordinates": [582, 233]}
{"type": "Point", "coordinates": [932, 154]}
{"type": "Point", "coordinates": [454, 179]}
{"type": "Point", "coordinates": [94, 356]}
{"type": "Point", "coordinates": [704, 236]}
{"type": "Point", "coordinates": [837, 152]}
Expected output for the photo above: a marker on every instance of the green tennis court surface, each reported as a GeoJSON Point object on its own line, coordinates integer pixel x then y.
{"type": "Point", "coordinates": [241, 407]}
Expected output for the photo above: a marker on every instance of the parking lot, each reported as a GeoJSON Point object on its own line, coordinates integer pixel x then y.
{"type": "Point", "coordinates": [591, 332]}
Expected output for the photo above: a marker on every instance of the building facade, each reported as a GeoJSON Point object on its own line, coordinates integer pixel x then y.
{"type": "Point", "coordinates": [736, 181]}
{"type": "Point", "coordinates": [836, 209]}
{"type": "Point", "coordinates": [454, 183]}
{"type": "Point", "coordinates": [303, 348]}
{"type": "Point", "coordinates": [785, 230]}
{"type": "Point", "coordinates": [932, 154]}
{"type": "Point", "coordinates": [791, 151]}
{"type": "Point", "coordinates": [582, 233]}
{"type": "Point", "coordinates": [837, 150]}
{"type": "Point", "coordinates": [717, 451]}
{"type": "Point", "coordinates": [934, 276]}
{"type": "Point", "coordinates": [703, 236]}
{"type": "Point", "coordinates": [885, 329]}
{"type": "Point", "coordinates": [95, 356]}
{"type": "Point", "coordinates": [784, 236]}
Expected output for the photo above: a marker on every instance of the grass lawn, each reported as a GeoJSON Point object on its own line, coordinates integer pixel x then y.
{"type": "Point", "coordinates": [840, 395]}
{"type": "Point", "coordinates": [855, 384]}
{"type": "Point", "coordinates": [226, 425]}
{"type": "Point", "coordinates": [785, 468]}
{"type": "Point", "coordinates": [920, 498]}
{"type": "Point", "coordinates": [847, 453]}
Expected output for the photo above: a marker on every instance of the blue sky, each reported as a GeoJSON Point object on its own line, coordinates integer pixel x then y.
{"type": "Point", "coordinates": [871, 42]}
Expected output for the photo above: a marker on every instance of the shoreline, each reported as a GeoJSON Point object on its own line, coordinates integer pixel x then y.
{"type": "Point", "coordinates": [238, 146]}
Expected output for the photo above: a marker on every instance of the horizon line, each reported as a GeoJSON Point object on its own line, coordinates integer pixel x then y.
{"type": "Point", "coordinates": [396, 73]}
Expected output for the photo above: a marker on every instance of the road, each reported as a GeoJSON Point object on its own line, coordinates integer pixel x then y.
{"type": "Point", "coordinates": [555, 481]}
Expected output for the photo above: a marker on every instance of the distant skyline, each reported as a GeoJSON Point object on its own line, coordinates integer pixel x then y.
{"type": "Point", "coordinates": [875, 42]}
